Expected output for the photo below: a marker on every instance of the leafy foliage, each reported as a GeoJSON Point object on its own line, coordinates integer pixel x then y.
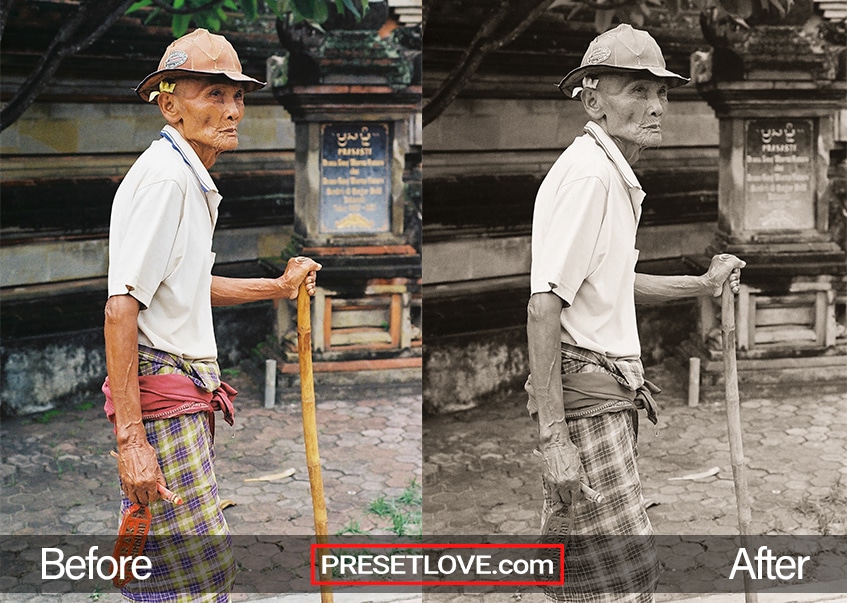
{"type": "Point", "coordinates": [638, 12]}
{"type": "Point", "coordinates": [212, 14]}
{"type": "Point", "coordinates": [743, 9]}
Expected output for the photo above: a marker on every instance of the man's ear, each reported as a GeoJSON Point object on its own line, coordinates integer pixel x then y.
{"type": "Point", "coordinates": [593, 103]}
{"type": "Point", "coordinates": [169, 106]}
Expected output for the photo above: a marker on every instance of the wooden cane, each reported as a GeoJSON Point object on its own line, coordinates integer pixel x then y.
{"type": "Point", "coordinates": [733, 419]}
{"type": "Point", "coordinates": [310, 425]}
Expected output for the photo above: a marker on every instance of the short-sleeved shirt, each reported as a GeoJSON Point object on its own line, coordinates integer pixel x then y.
{"type": "Point", "coordinates": [160, 247]}
{"type": "Point", "coordinates": [583, 244]}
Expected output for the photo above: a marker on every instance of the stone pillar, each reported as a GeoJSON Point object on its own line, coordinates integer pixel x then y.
{"type": "Point", "coordinates": [777, 92]}
{"type": "Point", "coordinates": [353, 91]}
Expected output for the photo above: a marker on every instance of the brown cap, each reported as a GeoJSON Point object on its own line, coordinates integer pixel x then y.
{"type": "Point", "coordinates": [198, 53]}
{"type": "Point", "coordinates": [621, 49]}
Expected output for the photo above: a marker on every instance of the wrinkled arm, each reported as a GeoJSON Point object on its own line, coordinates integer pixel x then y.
{"type": "Point", "coordinates": [545, 361]}
{"type": "Point", "coordinates": [231, 291]}
{"type": "Point", "coordinates": [137, 463]}
{"type": "Point", "coordinates": [651, 288]}
{"type": "Point", "coordinates": [562, 466]}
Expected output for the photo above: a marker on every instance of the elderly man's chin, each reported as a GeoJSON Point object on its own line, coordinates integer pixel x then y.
{"type": "Point", "coordinates": [227, 141]}
{"type": "Point", "coordinates": [650, 137]}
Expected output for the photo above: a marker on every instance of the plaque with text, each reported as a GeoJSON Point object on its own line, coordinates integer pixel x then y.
{"type": "Point", "coordinates": [779, 174]}
{"type": "Point", "coordinates": [355, 178]}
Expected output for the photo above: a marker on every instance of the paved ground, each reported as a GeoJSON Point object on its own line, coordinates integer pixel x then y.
{"type": "Point", "coordinates": [481, 478]}
{"type": "Point", "coordinates": [479, 474]}
{"type": "Point", "coordinates": [58, 477]}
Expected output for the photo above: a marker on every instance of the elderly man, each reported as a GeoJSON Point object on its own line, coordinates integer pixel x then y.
{"type": "Point", "coordinates": [163, 378]}
{"type": "Point", "coordinates": [586, 374]}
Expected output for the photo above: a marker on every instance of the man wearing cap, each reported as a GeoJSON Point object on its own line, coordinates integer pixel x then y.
{"type": "Point", "coordinates": [587, 380]}
{"type": "Point", "coordinates": [164, 383]}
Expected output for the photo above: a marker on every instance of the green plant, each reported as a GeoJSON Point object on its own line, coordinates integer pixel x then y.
{"type": "Point", "coordinates": [47, 416]}
{"type": "Point", "coordinates": [230, 373]}
{"type": "Point", "coordinates": [400, 514]}
{"type": "Point", "coordinates": [352, 527]}
{"type": "Point", "coordinates": [400, 523]}
{"type": "Point", "coordinates": [292, 249]}
{"type": "Point", "coordinates": [403, 511]}
{"type": "Point", "coordinates": [413, 494]}
{"type": "Point", "coordinates": [381, 507]}
{"type": "Point", "coordinates": [212, 14]}
{"type": "Point", "coordinates": [60, 467]}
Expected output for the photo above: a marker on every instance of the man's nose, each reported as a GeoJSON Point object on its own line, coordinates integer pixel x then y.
{"type": "Point", "coordinates": [234, 109]}
{"type": "Point", "coordinates": [656, 105]}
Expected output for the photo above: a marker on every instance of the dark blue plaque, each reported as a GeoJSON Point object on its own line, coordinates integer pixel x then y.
{"type": "Point", "coordinates": [355, 178]}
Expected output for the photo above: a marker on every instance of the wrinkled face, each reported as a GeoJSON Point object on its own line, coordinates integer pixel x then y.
{"type": "Point", "coordinates": [633, 105]}
{"type": "Point", "coordinates": [209, 110]}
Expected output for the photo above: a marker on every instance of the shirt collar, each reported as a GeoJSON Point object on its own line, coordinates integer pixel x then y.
{"type": "Point", "coordinates": [207, 185]}
{"type": "Point", "coordinates": [188, 155]}
{"type": "Point", "coordinates": [636, 193]}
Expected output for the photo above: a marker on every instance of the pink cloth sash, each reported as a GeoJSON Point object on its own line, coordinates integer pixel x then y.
{"type": "Point", "coordinates": [172, 395]}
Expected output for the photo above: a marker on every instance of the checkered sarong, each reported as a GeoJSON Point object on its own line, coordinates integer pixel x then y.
{"type": "Point", "coordinates": [602, 562]}
{"type": "Point", "coordinates": [629, 372]}
{"type": "Point", "coordinates": [610, 556]}
{"type": "Point", "coordinates": [189, 544]}
{"type": "Point", "coordinates": [205, 374]}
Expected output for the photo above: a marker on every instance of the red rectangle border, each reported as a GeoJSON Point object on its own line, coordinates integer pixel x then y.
{"type": "Point", "coordinates": [315, 547]}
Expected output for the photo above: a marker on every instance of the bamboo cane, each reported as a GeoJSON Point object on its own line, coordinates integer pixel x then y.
{"type": "Point", "coordinates": [733, 418]}
{"type": "Point", "coordinates": [310, 425]}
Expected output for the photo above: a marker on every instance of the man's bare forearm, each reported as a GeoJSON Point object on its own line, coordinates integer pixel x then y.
{"type": "Point", "coordinates": [234, 291]}
{"type": "Point", "coordinates": [562, 465]}
{"type": "Point", "coordinates": [651, 289]}
{"type": "Point", "coordinates": [138, 466]}
{"type": "Point", "coordinates": [120, 331]}
{"type": "Point", "coordinates": [545, 360]}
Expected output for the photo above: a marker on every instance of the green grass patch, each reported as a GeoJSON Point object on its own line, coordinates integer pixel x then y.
{"type": "Point", "coordinates": [400, 514]}
{"type": "Point", "coordinates": [48, 416]}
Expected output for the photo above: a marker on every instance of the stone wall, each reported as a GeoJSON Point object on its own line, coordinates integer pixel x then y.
{"type": "Point", "coordinates": [58, 368]}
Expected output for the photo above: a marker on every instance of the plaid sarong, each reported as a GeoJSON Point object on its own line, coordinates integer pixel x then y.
{"type": "Point", "coordinates": [610, 556]}
{"type": "Point", "coordinates": [628, 372]}
{"type": "Point", "coordinates": [189, 544]}
{"type": "Point", "coordinates": [206, 375]}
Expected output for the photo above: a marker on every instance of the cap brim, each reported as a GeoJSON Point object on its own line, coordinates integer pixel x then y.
{"type": "Point", "coordinates": [574, 78]}
{"type": "Point", "coordinates": [151, 82]}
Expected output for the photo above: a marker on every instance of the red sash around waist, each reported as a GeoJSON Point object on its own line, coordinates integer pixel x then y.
{"type": "Point", "coordinates": [172, 395]}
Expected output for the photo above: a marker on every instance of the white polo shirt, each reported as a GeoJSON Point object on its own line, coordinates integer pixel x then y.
{"type": "Point", "coordinates": [583, 244]}
{"type": "Point", "coordinates": [160, 247]}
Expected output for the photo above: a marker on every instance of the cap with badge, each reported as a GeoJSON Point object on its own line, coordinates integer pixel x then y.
{"type": "Point", "coordinates": [197, 53]}
{"type": "Point", "coordinates": [620, 49]}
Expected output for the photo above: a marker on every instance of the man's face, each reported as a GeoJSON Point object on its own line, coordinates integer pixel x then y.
{"type": "Point", "coordinates": [633, 105]}
{"type": "Point", "coordinates": [210, 111]}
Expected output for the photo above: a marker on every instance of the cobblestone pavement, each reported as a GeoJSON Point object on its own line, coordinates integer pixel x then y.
{"type": "Point", "coordinates": [480, 476]}
{"type": "Point", "coordinates": [58, 477]}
